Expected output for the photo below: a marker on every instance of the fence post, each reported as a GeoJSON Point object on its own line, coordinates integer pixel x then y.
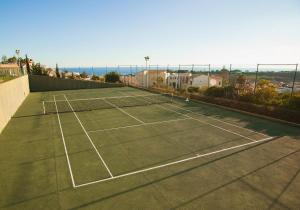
{"type": "Point", "coordinates": [130, 75]}
{"type": "Point", "coordinates": [157, 75]}
{"type": "Point", "coordinates": [208, 80]}
{"type": "Point", "coordinates": [230, 66]}
{"type": "Point", "coordinates": [256, 78]}
{"type": "Point", "coordinates": [177, 85]}
{"type": "Point", "coordinates": [292, 92]}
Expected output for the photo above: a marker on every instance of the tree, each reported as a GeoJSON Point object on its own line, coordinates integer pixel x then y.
{"type": "Point", "coordinates": [12, 60]}
{"type": "Point", "coordinates": [266, 92]}
{"type": "Point", "coordinates": [84, 75]}
{"type": "Point", "coordinates": [57, 71]}
{"type": "Point", "coordinates": [4, 59]}
{"type": "Point", "coordinates": [224, 73]}
{"type": "Point", "coordinates": [37, 69]}
{"type": "Point", "coordinates": [72, 76]}
{"type": "Point", "coordinates": [95, 77]}
{"type": "Point", "coordinates": [112, 77]}
{"type": "Point", "coordinates": [160, 81]}
{"type": "Point", "coordinates": [241, 80]}
{"type": "Point", "coordinates": [27, 64]}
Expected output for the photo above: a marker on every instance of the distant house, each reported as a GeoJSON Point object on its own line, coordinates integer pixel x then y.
{"type": "Point", "coordinates": [179, 80]}
{"type": "Point", "coordinates": [150, 78]}
{"type": "Point", "coordinates": [11, 69]}
{"type": "Point", "coordinates": [204, 81]}
{"type": "Point", "coordinates": [50, 72]}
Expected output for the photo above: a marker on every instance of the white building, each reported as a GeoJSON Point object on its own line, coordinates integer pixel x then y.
{"type": "Point", "coordinates": [204, 81]}
{"type": "Point", "coordinates": [151, 78]}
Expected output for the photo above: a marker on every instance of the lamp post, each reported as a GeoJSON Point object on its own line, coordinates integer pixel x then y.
{"type": "Point", "coordinates": [147, 76]}
{"type": "Point", "coordinates": [146, 59]}
{"type": "Point", "coordinates": [18, 53]}
{"type": "Point", "coordinates": [18, 60]}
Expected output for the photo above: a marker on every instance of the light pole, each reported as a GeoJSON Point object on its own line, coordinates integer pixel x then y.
{"type": "Point", "coordinates": [18, 60]}
{"type": "Point", "coordinates": [18, 53]}
{"type": "Point", "coordinates": [146, 59]}
{"type": "Point", "coordinates": [147, 75]}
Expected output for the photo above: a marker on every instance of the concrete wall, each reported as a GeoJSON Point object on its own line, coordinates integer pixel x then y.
{"type": "Point", "coordinates": [39, 83]}
{"type": "Point", "coordinates": [12, 94]}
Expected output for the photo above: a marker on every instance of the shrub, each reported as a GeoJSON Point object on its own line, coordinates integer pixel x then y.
{"type": "Point", "coordinates": [95, 77]}
{"type": "Point", "coordinates": [215, 92]}
{"type": "Point", "coordinates": [266, 93]}
{"type": "Point", "coordinates": [112, 77]}
{"type": "Point", "coordinates": [294, 102]}
{"type": "Point", "coordinates": [247, 97]}
{"type": "Point", "coordinates": [37, 69]}
{"type": "Point", "coordinates": [229, 92]}
{"type": "Point", "coordinates": [193, 89]}
{"type": "Point", "coordinates": [180, 90]}
{"type": "Point", "coordinates": [84, 75]}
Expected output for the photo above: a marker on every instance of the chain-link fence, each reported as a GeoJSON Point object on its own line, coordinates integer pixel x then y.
{"type": "Point", "coordinates": [197, 78]}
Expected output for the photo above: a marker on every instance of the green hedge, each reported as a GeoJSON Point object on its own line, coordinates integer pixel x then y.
{"type": "Point", "coordinates": [271, 111]}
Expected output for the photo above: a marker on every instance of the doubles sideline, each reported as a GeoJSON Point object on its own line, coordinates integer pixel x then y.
{"type": "Point", "coordinates": [64, 143]}
{"type": "Point", "coordinates": [92, 143]}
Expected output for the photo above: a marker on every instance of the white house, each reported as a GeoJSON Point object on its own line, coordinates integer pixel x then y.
{"type": "Point", "coordinates": [204, 81]}
{"type": "Point", "coordinates": [150, 78]}
{"type": "Point", "coordinates": [179, 80]}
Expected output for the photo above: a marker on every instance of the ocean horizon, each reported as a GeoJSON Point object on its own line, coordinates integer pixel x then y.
{"type": "Point", "coordinates": [100, 71]}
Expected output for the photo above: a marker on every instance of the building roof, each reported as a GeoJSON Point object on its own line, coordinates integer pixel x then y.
{"type": "Point", "coordinates": [9, 65]}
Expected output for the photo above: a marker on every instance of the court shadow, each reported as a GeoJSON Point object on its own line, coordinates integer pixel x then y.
{"type": "Point", "coordinates": [258, 124]}
{"type": "Point", "coordinates": [188, 170]}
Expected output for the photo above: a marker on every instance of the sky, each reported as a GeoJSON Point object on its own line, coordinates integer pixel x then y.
{"type": "Point", "coordinates": [97, 33]}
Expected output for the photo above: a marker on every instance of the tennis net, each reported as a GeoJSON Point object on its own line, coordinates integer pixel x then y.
{"type": "Point", "coordinates": [79, 105]}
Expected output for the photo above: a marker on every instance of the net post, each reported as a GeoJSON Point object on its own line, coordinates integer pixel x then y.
{"type": "Point", "coordinates": [44, 110]}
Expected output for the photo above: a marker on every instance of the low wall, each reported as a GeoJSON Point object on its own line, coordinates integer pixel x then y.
{"type": "Point", "coordinates": [39, 83]}
{"type": "Point", "coordinates": [12, 94]}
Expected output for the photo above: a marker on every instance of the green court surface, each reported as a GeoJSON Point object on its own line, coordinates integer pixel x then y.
{"type": "Point", "coordinates": [170, 155]}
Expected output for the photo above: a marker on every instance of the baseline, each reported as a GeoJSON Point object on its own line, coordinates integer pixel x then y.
{"type": "Point", "coordinates": [175, 162]}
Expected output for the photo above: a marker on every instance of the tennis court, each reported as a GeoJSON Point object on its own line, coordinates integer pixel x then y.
{"type": "Point", "coordinates": [131, 149]}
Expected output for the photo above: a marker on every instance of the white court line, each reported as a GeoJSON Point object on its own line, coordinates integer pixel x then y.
{"type": "Point", "coordinates": [224, 129]}
{"type": "Point", "coordinates": [112, 97]}
{"type": "Point", "coordinates": [44, 110]}
{"type": "Point", "coordinates": [206, 123]}
{"type": "Point", "coordinates": [173, 163]}
{"type": "Point", "coordinates": [89, 138]}
{"type": "Point", "coordinates": [188, 110]}
{"type": "Point", "coordinates": [122, 110]}
{"type": "Point", "coordinates": [138, 125]}
{"type": "Point", "coordinates": [65, 147]}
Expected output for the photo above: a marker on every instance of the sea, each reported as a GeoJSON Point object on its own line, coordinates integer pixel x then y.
{"type": "Point", "coordinates": [127, 70]}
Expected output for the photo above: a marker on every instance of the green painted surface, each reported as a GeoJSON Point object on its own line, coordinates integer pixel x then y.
{"type": "Point", "coordinates": [35, 175]}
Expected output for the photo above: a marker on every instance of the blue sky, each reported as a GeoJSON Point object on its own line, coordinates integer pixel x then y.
{"type": "Point", "coordinates": [97, 33]}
